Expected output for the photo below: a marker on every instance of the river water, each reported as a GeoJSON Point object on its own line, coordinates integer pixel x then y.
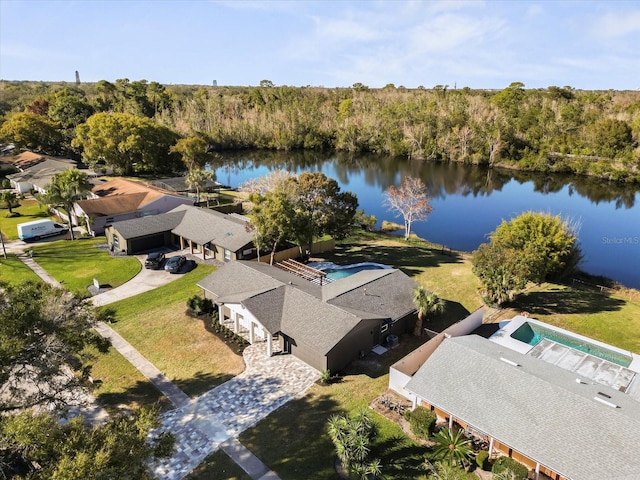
{"type": "Point", "coordinates": [469, 202]}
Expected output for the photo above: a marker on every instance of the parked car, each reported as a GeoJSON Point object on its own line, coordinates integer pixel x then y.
{"type": "Point", "coordinates": [154, 260]}
{"type": "Point", "coordinates": [174, 264]}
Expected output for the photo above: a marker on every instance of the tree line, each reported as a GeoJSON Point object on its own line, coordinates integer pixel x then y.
{"type": "Point", "coordinates": [133, 124]}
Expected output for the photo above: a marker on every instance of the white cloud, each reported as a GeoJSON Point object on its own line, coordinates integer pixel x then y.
{"type": "Point", "coordinates": [617, 24]}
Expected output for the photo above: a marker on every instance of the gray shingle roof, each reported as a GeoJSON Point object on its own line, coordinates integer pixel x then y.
{"type": "Point", "coordinates": [203, 225]}
{"type": "Point", "coordinates": [284, 302]}
{"type": "Point", "coordinates": [535, 408]}
{"type": "Point", "coordinates": [149, 225]}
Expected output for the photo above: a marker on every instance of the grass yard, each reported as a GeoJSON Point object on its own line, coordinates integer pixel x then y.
{"type": "Point", "coordinates": [29, 211]}
{"type": "Point", "coordinates": [13, 271]}
{"type": "Point", "coordinates": [76, 263]}
{"type": "Point", "coordinates": [156, 324]}
{"type": "Point", "coordinates": [218, 465]}
{"type": "Point", "coordinates": [121, 386]}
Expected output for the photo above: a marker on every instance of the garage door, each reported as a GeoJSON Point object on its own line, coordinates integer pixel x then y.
{"type": "Point", "coordinates": [147, 243]}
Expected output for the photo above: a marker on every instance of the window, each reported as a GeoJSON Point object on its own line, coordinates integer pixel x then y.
{"type": "Point", "coordinates": [384, 328]}
{"type": "Point", "coordinates": [227, 255]}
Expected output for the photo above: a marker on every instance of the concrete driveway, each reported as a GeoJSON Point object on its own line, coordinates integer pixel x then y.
{"type": "Point", "coordinates": [143, 282]}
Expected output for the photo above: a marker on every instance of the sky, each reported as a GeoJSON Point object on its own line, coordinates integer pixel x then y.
{"type": "Point", "coordinates": [591, 45]}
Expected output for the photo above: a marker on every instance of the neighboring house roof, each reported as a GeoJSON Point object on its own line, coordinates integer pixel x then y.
{"type": "Point", "coordinates": [536, 408]}
{"type": "Point", "coordinates": [149, 225]}
{"type": "Point", "coordinates": [112, 205]}
{"type": "Point", "coordinates": [203, 225]}
{"type": "Point", "coordinates": [284, 302]}
{"type": "Point", "coordinates": [40, 174]}
{"type": "Point", "coordinates": [179, 184]}
{"type": "Point", "coordinates": [25, 160]}
{"type": "Point", "coordinates": [119, 196]}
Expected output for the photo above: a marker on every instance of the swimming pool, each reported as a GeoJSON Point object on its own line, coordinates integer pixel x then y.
{"type": "Point", "coordinates": [336, 272]}
{"type": "Point", "coordinates": [532, 334]}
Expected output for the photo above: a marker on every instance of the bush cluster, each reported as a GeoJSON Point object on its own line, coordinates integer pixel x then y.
{"type": "Point", "coordinates": [227, 334]}
{"type": "Point", "coordinates": [504, 465]}
{"type": "Point", "coordinates": [199, 305]}
{"type": "Point", "coordinates": [482, 460]}
{"type": "Point", "coordinates": [422, 421]}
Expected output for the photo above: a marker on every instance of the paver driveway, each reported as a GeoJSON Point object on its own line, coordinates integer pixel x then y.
{"type": "Point", "coordinates": [226, 411]}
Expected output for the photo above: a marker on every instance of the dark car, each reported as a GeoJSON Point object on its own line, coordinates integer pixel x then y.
{"type": "Point", "coordinates": [174, 264]}
{"type": "Point", "coordinates": [154, 260]}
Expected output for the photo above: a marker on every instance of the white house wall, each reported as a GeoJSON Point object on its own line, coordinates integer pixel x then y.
{"type": "Point", "coordinates": [245, 319]}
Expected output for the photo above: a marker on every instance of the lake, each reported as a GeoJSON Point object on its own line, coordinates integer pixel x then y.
{"type": "Point", "coordinates": [469, 202]}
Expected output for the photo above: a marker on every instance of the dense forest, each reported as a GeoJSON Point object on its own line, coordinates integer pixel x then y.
{"type": "Point", "coordinates": [133, 125]}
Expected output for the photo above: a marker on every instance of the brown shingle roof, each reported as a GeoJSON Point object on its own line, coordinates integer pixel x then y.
{"type": "Point", "coordinates": [122, 186]}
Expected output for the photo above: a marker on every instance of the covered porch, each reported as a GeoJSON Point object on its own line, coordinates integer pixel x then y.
{"type": "Point", "coordinates": [239, 320]}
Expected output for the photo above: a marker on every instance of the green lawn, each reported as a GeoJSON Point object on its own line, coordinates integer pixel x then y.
{"type": "Point", "coordinates": [156, 324]}
{"type": "Point", "coordinates": [76, 263]}
{"type": "Point", "coordinates": [13, 271]}
{"type": "Point", "coordinates": [218, 465]}
{"type": "Point", "coordinates": [29, 210]}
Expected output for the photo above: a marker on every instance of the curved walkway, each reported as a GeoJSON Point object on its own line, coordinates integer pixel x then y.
{"type": "Point", "coordinates": [217, 417]}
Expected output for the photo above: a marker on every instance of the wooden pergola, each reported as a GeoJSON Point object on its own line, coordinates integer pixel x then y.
{"type": "Point", "coordinates": [302, 270]}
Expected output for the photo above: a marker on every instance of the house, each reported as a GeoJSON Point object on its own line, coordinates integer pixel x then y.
{"type": "Point", "coordinates": [327, 326]}
{"type": "Point", "coordinates": [36, 171]}
{"type": "Point", "coordinates": [215, 234]}
{"type": "Point", "coordinates": [122, 199]}
{"type": "Point", "coordinates": [563, 412]}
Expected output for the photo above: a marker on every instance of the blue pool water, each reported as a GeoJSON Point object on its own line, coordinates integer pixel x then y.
{"type": "Point", "coordinates": [336, 272]}
{"type": "Point", "coordinates": [532, 334]}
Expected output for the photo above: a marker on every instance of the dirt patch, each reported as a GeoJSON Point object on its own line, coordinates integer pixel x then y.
{"type": "Point", "coordinates": [391, 406]}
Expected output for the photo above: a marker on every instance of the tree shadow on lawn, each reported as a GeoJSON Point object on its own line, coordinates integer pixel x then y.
{"type": "Point", "coordinates": [401, 457]}
{"type": "Point", "coordinates": [304, 449]}
{"type": "Point", "coordinates": [410, 259]}
{"type": "Point", "coordinates": [142, 393]}
{"type": "Point", "coordinates": [567, 300]}
{"type": "Point", "coordinates": [201, 382]}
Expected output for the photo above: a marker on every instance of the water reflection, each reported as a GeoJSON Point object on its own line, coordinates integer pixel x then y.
{"type": "Point", "coordinates": [442, 179]}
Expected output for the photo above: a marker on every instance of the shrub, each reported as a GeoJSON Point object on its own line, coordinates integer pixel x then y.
{"type": "Point", "coordinates": [199, 305]}
{"type": "Point", "coordinates": [482, 460]}
{"type": "Point", "coordinates": [422, 421]}
{"type": "Point", "coordinates": [325, 377]}
{"type": "Point", "coordinates": [506, 465]}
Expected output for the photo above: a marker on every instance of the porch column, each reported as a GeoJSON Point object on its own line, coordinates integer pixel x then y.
{"type": "Point", "coordinates": [269, 344]}
{"type": "Point", "coordinates": [236, 323]}
{"type": "Point", "coordinates": [190, 247]}
{"type": "Point", "coordinates": [181, 243]}
{"type": "Point", "coordinates": [204, 252]}
{"type": "Point", "coordinates": [490, 446]}
{"type": "Point", "coordinates": [251, 332]}
{"type": "Point", "coordinates": [450, 421]}
{"type": "Point", "coordinates": [220, 314]}
{"type": "Point", "coordinates": [537, 471]}
{"type": "Point", "coordinates": [414, 402]}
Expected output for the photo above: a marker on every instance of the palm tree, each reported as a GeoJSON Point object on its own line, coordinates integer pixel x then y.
{"type": "Point", "coordinates": [65, 189]}
{"type": "Point", "coordinates": [452, 447]}
{"type": "Point", "coordinates": [426, 303]}
{"type": "Point", "coordinates": [10, 199]}
{"type": "Point", "coordinates": [198, 178]}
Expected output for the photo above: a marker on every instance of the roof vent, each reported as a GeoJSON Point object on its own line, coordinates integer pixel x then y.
{"type": "Point", "coordinates": [605, 402]}
{"type": "Point", "coordinates": [510, 362]}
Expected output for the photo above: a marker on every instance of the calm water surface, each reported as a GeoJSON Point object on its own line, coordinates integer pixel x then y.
{"type": "Point", "coordinates": [470, 202]}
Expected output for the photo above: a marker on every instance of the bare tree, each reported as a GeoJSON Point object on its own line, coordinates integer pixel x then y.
{"type": "Point", "coordinates": [410, 201]}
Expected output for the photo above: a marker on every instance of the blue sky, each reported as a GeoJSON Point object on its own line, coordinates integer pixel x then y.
{"type": "Point", "coordinates": [584, 44]}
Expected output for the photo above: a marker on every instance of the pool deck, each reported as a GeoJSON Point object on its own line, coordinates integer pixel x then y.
{"type": "Point", "coordinates": [587, 366]}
